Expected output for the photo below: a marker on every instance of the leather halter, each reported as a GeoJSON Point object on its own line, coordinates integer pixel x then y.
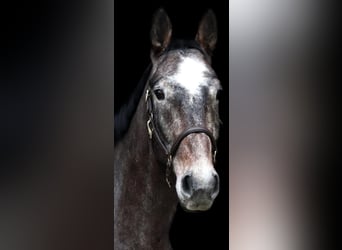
{"type": "Point", "coordinates": [152, 130]}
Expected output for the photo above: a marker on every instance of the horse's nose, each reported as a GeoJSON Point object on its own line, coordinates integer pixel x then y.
{"type": "Point", "coordinates": [209, 186]}
{"type": "Point", "coordinates": [187, 186]}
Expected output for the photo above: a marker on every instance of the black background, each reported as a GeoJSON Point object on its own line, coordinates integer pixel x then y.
{"type": "Point", "coordinates": [131, 57]}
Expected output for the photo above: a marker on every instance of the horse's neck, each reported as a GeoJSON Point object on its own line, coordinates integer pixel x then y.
{"type": "Point", "coordinates": [143, 203]}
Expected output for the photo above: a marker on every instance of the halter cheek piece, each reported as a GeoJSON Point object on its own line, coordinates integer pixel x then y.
{"type": "Point", "coordinates": [152, 129]}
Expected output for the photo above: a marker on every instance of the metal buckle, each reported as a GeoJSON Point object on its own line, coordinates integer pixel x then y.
{"type": "Point", "coordinates": [149, 121]}
{"type": "Point", "coordinates": [214, 156]}
{"type": "Point", "coordinates": [147, 95]}
{"type": "Point", "coordinates": [149, 129]}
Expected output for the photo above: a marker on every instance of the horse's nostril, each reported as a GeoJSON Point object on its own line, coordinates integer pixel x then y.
{"type": "Point", "coordinates": [216, 183]}
{"type": "Point", "coordinates": [187, 184]}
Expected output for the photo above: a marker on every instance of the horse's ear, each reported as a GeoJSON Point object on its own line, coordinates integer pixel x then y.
{"type": "Point", "coordinates": [160, 32]}
{"type": "Point", "coordinates": [207, 32]}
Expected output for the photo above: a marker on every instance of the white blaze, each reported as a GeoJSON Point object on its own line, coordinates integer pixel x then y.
{"type": "Point", "coordinates": [190, 74]}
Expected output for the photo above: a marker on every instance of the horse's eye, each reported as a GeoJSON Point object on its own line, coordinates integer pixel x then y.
{"type": "Point", "coordinates": [159, 94]}
{"type": "Point", "coordinates": [218, 94]}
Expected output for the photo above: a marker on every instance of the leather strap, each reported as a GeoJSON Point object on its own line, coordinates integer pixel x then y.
{"type": "Point", "coordinates": [153, 131]}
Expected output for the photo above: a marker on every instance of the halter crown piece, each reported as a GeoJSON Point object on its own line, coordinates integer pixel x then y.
{"type": "Point", "coordinates": [153, 130]}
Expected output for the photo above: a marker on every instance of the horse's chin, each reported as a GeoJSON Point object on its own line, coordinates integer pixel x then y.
{"type": "Point", "coordinates": [196, 206]}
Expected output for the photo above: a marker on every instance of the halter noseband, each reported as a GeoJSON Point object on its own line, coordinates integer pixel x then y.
{"type": "Point", "coordinates": [152, 129]}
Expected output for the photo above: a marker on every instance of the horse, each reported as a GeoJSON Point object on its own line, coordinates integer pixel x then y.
{"type": "Point", "coordinates": [165, 137]}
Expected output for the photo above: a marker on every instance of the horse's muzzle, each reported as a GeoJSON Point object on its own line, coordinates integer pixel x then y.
{"type": "Point", "coordinates": [197, 194]}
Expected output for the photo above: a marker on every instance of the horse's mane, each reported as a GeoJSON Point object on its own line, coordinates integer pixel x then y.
{"type": "Point", "coordinates": [124, 116]}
